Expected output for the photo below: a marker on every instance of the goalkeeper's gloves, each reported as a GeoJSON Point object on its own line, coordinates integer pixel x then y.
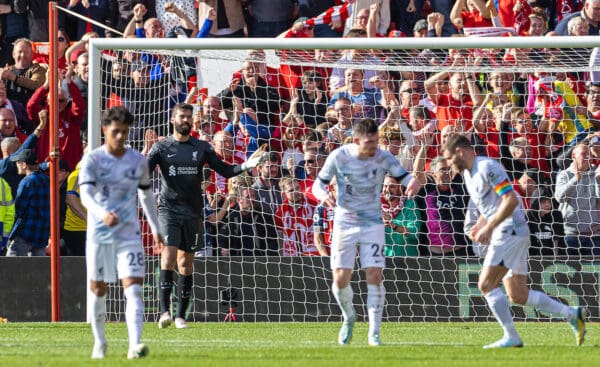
{"type": "Point", "coordinates": [254, 161]}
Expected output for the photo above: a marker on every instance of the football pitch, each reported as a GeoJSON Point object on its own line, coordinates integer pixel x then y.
{"type": "Point", "coordinates": [299, 344]}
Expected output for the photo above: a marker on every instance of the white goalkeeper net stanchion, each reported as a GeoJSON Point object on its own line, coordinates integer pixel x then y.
{"type": "Point", "coordinates": [286, 288]}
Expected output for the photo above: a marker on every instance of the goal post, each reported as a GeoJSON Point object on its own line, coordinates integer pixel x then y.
{"type": "Point", "coordinates": [420, 285]}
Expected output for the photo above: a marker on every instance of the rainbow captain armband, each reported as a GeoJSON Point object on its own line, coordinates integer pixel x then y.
{"type": "Point", "coordinates": [503, 187]}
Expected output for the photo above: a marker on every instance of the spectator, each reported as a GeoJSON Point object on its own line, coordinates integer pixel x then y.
{"type": "Point", "coordinates": [211, 112]}
{"type": "Point", "coordinates": [37, 18]}
{"type": "Point", "coordinates": [62, 45]}
{"type": "Point", "coordinates": [8, 126]}
{"type": "Point", "coordinates": [365, 102]}
{"type": "Point", "coordinates": [139, 94]}
{"type": "Point", "coordinates": [12, 145]}
{"type": "Point", "coordinates": [521, 153]}
{"type": "Point", "coordinates": [266, 184]}
{"type": "Point", "coordinates": [248, 229]}
{"type": "Point", "coordinates": [270, 18]}
{"type": "Point", "coordinates": [7, 213]}
{"type": "Point", "coordinates": [404, 14]}
{"type": "Point", "coordinates": [25, 76]}
{"type": "Point", "coordinates": [74, 233]}
{"type": "Point", "coordinates": [593, 103]}
{"type": "Point", "coordinates": [528, 186]}
{"type": "Point", "coordinates": [291, 142]}
{"type": "Point", "coordinates": [338, 133]}
{"type": "Point", "coordinates": [456, 106]}
{"type": "Point", "coordinates": [546, 227]}
{"type": "Point", "coordinates": [356, 17]}
{"type": "Point", "coordinates": [230, 20]}
{"type": "Point", "coordinates": [590, 12]}
{"type": "Point", "coordinates": [312, 100]}
{"type": "Point", "coordinates": [401, 219]}
{"type": "Point", "coordinates": [536, 137]}
{"type": "Point", "coordinates": [12, 27]}
{"type": "Point", "coordinates": [313, 162]}
{"type": "Point", "coordinates": [31, 229]}
{"type": "Point", "coordinates": [312, 8]}
{"type": "Point", "coordinates": [223, 148]}
{"type": "Point", "coordinates": [70, 112]}
{"type": "Point", "coordinates": [354, 56]}
{"type": "Point", "coordinates": [125, 12]}
{"type": "Point", "coordinates": [170, 13]}
{"type": "Point", "coordinates": [446, 202]}
{"type": "Point", "coordinates": [578, 199]}
{"type": "Point", "coordinates": [470, 13]}
{"type": "Point", "coordinates": [253, 92]}
{"type": "Point", "coordinates": [80, 79]}
{"type": "Point", "coordinates": [79, 47]}
{"type": "Point", "coordinates": [444, 7]}
{"type": "Point", "coordinates": [294, 219]}
{"type": "Point", "coordinates": [98, 10]}
{"type": "Point", "coordinates": [486, 137]}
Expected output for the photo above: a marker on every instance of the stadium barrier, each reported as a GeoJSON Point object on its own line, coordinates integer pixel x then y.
{"type": "Point", "coordinates": [298, 289]}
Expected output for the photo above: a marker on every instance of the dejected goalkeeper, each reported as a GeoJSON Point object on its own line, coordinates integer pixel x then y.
{"type": "Point", "coordinates": [181, 159]}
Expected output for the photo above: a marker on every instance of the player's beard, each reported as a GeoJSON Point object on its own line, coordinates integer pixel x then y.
{"type": "Point", "coordinates": [183, 129]}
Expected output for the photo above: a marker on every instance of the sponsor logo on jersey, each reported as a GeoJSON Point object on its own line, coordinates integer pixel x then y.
{"type": "Point", "coordinates": [172, 171]}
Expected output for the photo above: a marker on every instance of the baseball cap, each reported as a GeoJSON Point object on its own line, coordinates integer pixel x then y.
{"type": "Point", "coordinates": [26, 155]}
{"type": "Point", "coordinates": [420, 24]}
{"type": "Point", "coordinates": [139, 65]}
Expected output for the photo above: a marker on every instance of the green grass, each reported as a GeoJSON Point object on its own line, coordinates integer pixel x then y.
{"type": "Point", "coordinates": [298, 344]}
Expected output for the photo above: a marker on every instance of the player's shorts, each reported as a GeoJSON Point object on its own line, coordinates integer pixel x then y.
{"type": "Point", "coordinates": [369, 240]}
{"type": "Point", "coordinates": [105, 261]}
{"type": "Point", "coordinates": [510, 251]}
{"type": "Point", "coordinates": [187, 234]}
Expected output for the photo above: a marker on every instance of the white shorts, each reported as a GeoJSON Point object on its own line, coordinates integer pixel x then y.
{"type": "Point", "coordinates": [370, 241]}
{"type": "Point", "coordinates": [104, 261]}
{"type": "Point", "coordinates": [510, 252]}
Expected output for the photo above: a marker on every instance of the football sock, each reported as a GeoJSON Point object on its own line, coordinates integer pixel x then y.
{"type": "Point", "coordinates": [184, 286]}
{"type": "Point", "coordinates": [344, 300]}
{"type": "Point", "coordinates": [375, 303]}
{"type": "Point", "coordinates": [541, 301]}
{"type": "Point", "coordinates": [498, 303]}
{"type": "Point", "coordinates": [98, 318]}
{"type": "Point", "coordinates": [134, 313]}
{"type": "Point", "coordinates": [165, 287]}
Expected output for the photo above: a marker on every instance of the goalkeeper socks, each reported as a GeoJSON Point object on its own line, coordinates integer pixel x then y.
{"type": "Point", "coordinates": [98, 318]}
{"type": "Point", "coordinates": [185, 291]}
{"type": "Point", "coordinates": [375, 303]}
{"type": "Point", "coordinates": [165, 287]}
{"type": "Point", "coordinates": [344, 300]}
{"type": "Point", "coordinates": [134, 313]}
{"type": "Point", "coordinates": [498, 303]}
{"type": "Point", "coordinates": [541, 301]}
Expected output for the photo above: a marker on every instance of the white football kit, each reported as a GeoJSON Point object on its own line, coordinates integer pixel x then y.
{"type": "Point", "coordinates": [115, 182]}
{"type": "Point", "coordinates": [357, 219]}
{"type": "Point", "coordinates": [486, 182]}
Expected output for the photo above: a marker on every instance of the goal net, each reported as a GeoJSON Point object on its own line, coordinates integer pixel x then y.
{"type": "Point", "coordinates": [525, 101]}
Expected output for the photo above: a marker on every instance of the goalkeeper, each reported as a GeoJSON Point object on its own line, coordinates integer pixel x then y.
{"type": "Point", "coordinates": [181, 159]}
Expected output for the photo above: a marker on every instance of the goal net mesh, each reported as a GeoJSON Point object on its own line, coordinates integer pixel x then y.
{"type": "Point", "coordinates": [267, 268]}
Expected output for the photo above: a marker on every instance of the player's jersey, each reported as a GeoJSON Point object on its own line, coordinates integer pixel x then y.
{"type": "Point", "coordinates": [486, 182]}
{"type": "Point", "coordinates": [116, 180]}
{"type": "Point", "coordinates": [359, 183]}
{"type": "Point", "coordinates": [181, 165]}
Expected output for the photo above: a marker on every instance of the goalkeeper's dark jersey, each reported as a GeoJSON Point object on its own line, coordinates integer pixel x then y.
{"type": "Point", "coordinates": [181, 165]}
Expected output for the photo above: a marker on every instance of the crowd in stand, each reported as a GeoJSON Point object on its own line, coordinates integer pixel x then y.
{"type": "Point", "coordinates": [541, 126]}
